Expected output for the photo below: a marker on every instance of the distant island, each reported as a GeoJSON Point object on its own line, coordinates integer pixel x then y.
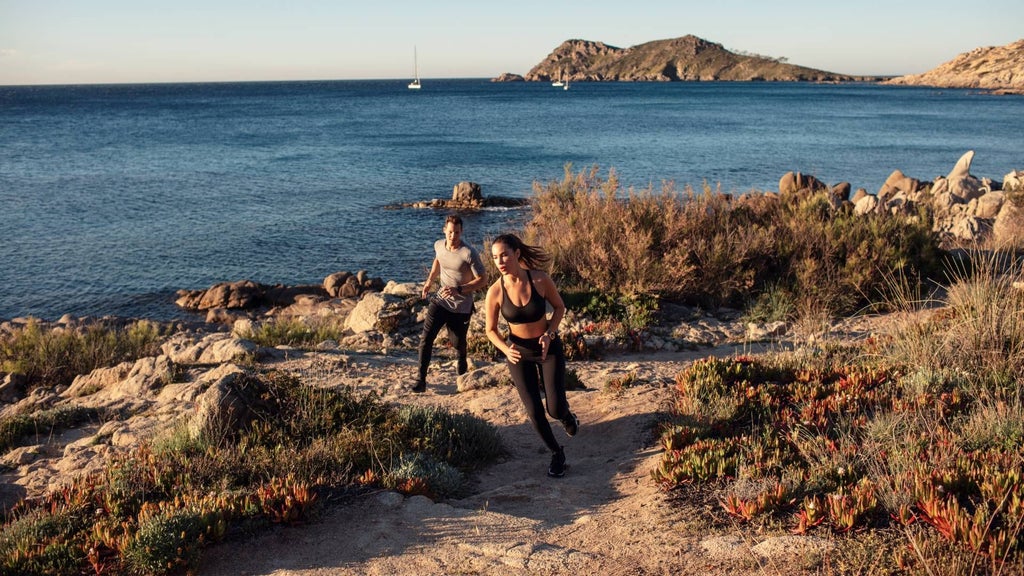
{"type": "Point", "coordinates": [998, 69]}
{"type": "Point", "coordinates": [680, 59]}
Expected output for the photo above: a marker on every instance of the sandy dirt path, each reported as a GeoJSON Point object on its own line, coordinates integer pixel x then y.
{"type": "Point", "coordinates": [606, 516]}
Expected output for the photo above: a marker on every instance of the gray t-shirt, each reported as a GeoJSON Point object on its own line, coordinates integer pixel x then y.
{"type": "Point", "coordinates": [458, 267]}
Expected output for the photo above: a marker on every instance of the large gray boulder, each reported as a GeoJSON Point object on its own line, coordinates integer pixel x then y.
{"type": "Point", "coordinates": [376, 311]}
{"type": "Point", "coordinates": [228, 405]}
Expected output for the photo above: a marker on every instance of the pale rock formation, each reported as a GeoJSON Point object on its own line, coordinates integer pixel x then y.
{"type": "Point", "coordinates": [1014, 181]}
{"type": "Point", "coordinates": [402, 289]}
{"type": "Point", "coordinates": [486, 377]}
{"type": "Point", "coordinates": [215, 348]}
{"type": "Point", "coordinates": [896, 183]}
{"type": "Point", "coordinates": [866, 205]}
{"type": "Point", "coordinates": [962, 184]}
{"type": "Point", "coordinates": [1008, 229]}
{"type": "Point", "coordinates": [375, 311]}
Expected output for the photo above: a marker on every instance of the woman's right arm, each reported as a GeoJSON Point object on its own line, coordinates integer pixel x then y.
{"type": "Point", "coordinates": [492, 307]}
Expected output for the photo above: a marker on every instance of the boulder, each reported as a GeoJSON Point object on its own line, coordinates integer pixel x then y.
{"type": "Point", "coordinates": [961, 183]}
{"type": "Point", "coordinates": [989, 205]}
{"type": "Point", "coordinates": [968, 228]}
{"type": "Point", "coordinates": [1008, 229]}
{"type": "Point", "coordinates": [1014, 181]}
{"type": "Point", "coordinates": [402, 289]}
{"type": "Point", "coordinates": [229, 404]}
{"type": "Point", "coordinates": [897, 182]}
{"type": "Point", "coordinates": [467, 193]}
{"type": "Point", "coordinates": [866, 205]}
{"type": "Point", "coordinates": [858, 194]}
{"type": "Point", "coordinates": [282, 295]}
{"type": "Point", "coordinates": [375, 311]}
{"type": "Point", "coordinates": [795, 181]}
{"type": "Point", "coordinates": [12, 388]}
{"type": "Point", "coordinates": [241, 294]}
{"type": "Point", "coordinates": [127, 383]}
{"type": "Point", "coordinates": [840, 193]}
{"type": "Point", "coordinates": [487, 377]}
{"type": "Point", "coordinates": [334, 283]}
{"type": "Point", "coordinates": [211, 349]}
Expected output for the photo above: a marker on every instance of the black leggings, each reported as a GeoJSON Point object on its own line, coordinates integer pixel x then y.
{"type": "Point", "coordinates": [458, 325]}
{"type": "Point", "coordinates": [529, 373]}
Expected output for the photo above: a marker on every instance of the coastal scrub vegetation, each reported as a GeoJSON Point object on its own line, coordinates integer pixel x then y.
{"type": "Point", "coordinates": [793, 255]}
{"type": "Point", "coordinates": [914, 441]}
{"type": "Point", "coordinates": [295, 331]}
{"type": "Point", "coordinates": [54, 356]}
{"type": "Point", "coordinates": [152, 512]}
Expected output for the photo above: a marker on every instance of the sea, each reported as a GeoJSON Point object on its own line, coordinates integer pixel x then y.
{"type": "Point", "coordinates": [113, 197]}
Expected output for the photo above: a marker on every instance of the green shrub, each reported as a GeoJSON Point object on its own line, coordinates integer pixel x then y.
{"type": "Point", "coordinates": [36, 543]}
{"type": "Point", "coordinates": [441, 478]}
{"type": "Point", "coordinates": [165, 541]}
{"type": "Point", "coordinates": [712, 250]}
{"type": "Point", "coordinates": [296, 332]}
{"type": "Point", "coordinates": [53, 357]}
{"type": "Point", "coordinates": [463, 440]}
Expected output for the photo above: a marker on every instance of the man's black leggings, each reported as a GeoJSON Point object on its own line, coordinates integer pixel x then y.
{"type": "Point", "coordinates": [530, 373]}
{"type": "Point", "coordinates": [458, 326]}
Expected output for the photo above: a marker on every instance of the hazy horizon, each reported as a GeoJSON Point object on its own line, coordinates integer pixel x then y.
{"type": "Point", "coordinates": [119, 42]}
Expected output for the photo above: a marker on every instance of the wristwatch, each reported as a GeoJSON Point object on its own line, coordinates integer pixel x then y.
{"type": "Point", "coordinates": [551, 334]}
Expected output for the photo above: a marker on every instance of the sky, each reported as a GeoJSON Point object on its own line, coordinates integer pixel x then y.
{"type": "Point", "coordinates": [136, 41]}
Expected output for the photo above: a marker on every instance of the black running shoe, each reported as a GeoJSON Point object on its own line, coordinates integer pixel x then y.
{"type": "Point", "coordinates": [557, 468]}
{"type": "Point", "coordinates": [571, 424]}
{"type": "Point", "coordinates": [420, 387]}
{"type": "Point", "coordinates": [462, 368]}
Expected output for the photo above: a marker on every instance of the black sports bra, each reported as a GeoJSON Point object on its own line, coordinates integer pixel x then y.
{"type": "Point", "coordinates": [532, 311]}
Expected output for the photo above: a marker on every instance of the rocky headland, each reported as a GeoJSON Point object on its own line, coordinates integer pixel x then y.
{"type": "Point", "coordinates": [999, 69]}
{"type": "Point", "coordinates": [688, 58]}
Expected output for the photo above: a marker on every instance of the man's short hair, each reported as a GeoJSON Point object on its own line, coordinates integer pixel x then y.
{"type": "Point", "coordinates": [453, 219]}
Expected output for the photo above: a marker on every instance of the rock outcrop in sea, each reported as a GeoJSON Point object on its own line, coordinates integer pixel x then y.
{"type": "Point", "coordinates": [466, 196]}
{"type": "Point", "coordinates": [688, 58]}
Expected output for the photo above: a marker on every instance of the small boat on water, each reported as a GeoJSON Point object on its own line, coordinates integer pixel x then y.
{"type": "Point", "coordinates": [558, 84]}
{"type": "Point", "coordinates": [415, 84]}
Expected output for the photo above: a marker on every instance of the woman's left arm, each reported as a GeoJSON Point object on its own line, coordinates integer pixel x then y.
{"type": "Point", "coordinates": [551, 294]}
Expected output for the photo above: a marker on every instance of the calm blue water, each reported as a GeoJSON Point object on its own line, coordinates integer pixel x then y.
{"type": "Point", "coordinates": [113, 197]}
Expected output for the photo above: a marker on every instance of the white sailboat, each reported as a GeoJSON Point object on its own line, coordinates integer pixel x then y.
{"type": "Point", "coordinates": [415, 84]}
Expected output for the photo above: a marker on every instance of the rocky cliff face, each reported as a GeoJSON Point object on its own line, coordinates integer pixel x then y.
{"type": "Point", "coordinates": [996, 68]}
{"type": "Point", "coordinates": [688, 58]}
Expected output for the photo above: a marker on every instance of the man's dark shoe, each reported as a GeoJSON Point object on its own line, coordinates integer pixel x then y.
{"type": "Point", "coordinates": [557, 468]}
{"type": "Point", "coordinates": [571, 425]}
{"type": "Point", "coordinates": [420, 387]}
{"type": "Point", "coordinates": [463, 367]}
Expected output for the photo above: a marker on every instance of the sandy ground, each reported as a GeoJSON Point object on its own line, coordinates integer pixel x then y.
{"type": "Point", "coordinates": [605, 516]}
